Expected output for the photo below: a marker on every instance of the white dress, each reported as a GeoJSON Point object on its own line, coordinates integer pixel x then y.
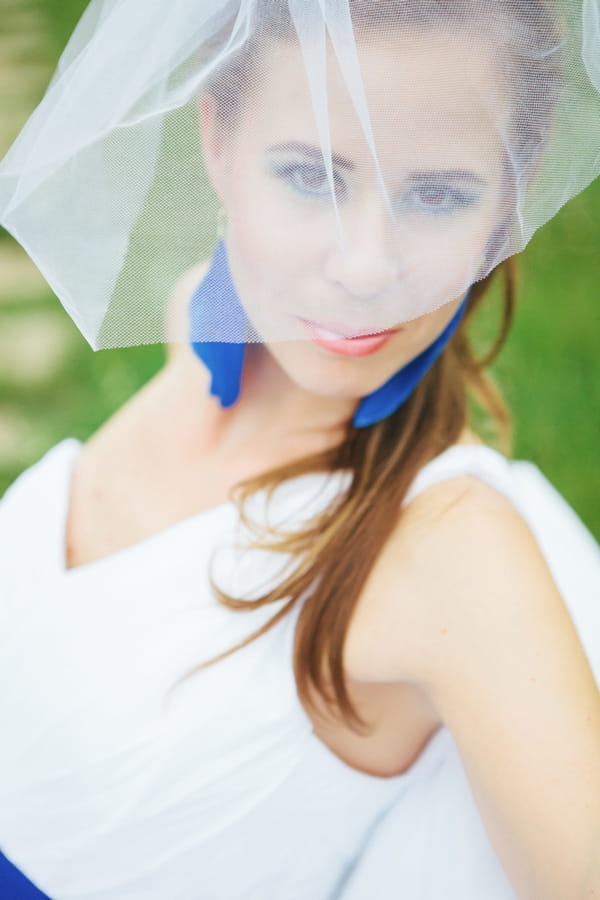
{"type": "Point", "coordinates": [117, 782]}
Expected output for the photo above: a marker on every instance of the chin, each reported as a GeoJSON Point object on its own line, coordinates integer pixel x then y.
{"type": "Point", "coordinates": [328, 376]}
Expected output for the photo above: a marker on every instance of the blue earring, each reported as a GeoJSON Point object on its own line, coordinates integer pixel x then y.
{"type": "Point", "coordinates": [225, 361]}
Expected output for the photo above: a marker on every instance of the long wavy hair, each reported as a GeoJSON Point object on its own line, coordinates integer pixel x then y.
{"type": "Point", "coordinates": [337, 549]}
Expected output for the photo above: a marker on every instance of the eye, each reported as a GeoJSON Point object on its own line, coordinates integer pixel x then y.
{"type": "Point", "coordinates": [438, 199]}
{"type": "Point", "coordinates": [308, 179]}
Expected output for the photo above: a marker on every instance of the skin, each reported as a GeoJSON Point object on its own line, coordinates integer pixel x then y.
{"type": "Point", "coordinates": [487, 642]}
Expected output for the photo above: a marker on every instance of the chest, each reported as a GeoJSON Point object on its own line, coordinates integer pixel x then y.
{"type": "Point", "coordinates": [400, 718]}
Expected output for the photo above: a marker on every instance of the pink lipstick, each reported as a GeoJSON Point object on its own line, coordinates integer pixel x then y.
{"type": "Point", "coordinates": [329, 338]}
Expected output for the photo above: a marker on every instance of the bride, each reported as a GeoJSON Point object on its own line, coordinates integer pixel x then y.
{"type": "Point", "coordinates": [285, 627]}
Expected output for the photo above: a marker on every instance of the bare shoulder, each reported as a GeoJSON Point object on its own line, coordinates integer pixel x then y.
{"type": "Point", "coordinates": [463, 604]}
{"type": "Point", "coordinates": [461, 565]}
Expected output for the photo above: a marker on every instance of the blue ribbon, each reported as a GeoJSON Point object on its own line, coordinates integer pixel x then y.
{"type": "Point", "coordinates": [14, 885]}
{"type": "Point", "coordinates": [225, 361]}
{"type": "Point", "coordinates": [391, 395]}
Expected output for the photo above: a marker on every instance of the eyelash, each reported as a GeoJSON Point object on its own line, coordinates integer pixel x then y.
{"type": "Point", "coordinates": [289, 172]}
{"type": "Point", "coordinates": [293, 173]}
{"type": "Point", "coordinates": [455, 200]}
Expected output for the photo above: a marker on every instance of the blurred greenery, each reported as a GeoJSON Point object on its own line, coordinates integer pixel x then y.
{"type": "Point", "coordinates": [61, 17]}
{"type": "Point", "coordinates": [548, 370]}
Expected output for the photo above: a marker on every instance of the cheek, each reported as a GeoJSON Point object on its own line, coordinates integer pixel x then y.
{"type": "Point", "coordinates": [274, 252]}
{"type": "Point", "coordinates": [426, 329]}
{"type": "Point", "coordinates": [267, 226]}
{"type": "Point", "coordinates": [442, 261]}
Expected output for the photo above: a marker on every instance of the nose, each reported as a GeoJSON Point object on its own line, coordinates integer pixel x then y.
{"type": "Point", "coordinates": [364, 263]}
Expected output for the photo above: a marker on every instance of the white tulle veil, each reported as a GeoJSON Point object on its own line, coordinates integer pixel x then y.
{"type": "Point", "coordinates": [418, 144]}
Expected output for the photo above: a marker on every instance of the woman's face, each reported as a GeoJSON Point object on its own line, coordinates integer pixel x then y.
{"type": "Point", "coordinates": [306, 294]}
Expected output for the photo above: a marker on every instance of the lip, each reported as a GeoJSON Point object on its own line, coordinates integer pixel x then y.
{"type": "Point", "coordinates": [332, 337]}
{"type": "Point", "coordinates": [340, 331]}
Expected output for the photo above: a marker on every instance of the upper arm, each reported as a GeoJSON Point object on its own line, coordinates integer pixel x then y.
{"type": "Point", "coordinates": [481, 625]}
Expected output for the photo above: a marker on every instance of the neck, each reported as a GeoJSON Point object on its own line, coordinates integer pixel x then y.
{"type": "Point", "coordinates": [272, 412]}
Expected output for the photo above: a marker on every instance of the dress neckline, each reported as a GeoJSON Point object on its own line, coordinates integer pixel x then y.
{"type": "Point", "coordinates": [72, 448]}
{"type": "Point", "coordinates": [169, 534]}
{"type": "Point", "coordinates": [207, 517]}
{"type": "Point", "coordinates": [433, 750]}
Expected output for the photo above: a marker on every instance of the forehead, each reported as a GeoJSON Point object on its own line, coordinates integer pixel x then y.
{"type": "Point", "coordinates": [425, 93]}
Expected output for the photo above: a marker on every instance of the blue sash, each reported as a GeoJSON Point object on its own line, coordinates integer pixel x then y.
{"type": "Point", "coordinates": [14, 885]}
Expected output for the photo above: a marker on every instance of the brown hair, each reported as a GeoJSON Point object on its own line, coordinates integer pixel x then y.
{"type": "Point", "coordinates": [338, 549]}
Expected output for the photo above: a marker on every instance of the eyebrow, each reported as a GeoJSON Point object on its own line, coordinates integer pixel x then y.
{"type": "Point", "coordinates": [448, 175]}
{"type": "Point", "coordinates": [463, 175]}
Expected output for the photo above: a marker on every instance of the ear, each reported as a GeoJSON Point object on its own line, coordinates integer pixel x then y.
{"type": "Point", "coordinates": [212, 138]}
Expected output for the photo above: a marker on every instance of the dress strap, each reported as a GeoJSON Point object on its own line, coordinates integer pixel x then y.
{"type": "Point", "coordinates": [463, 460]}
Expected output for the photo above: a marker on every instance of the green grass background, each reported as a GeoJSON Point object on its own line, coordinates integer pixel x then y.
{"type": "Point", "coordinates": [548, 370]}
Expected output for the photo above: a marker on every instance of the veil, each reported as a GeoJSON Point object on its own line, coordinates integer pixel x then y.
{"type": "Point", "coordinates": [364, 161]}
